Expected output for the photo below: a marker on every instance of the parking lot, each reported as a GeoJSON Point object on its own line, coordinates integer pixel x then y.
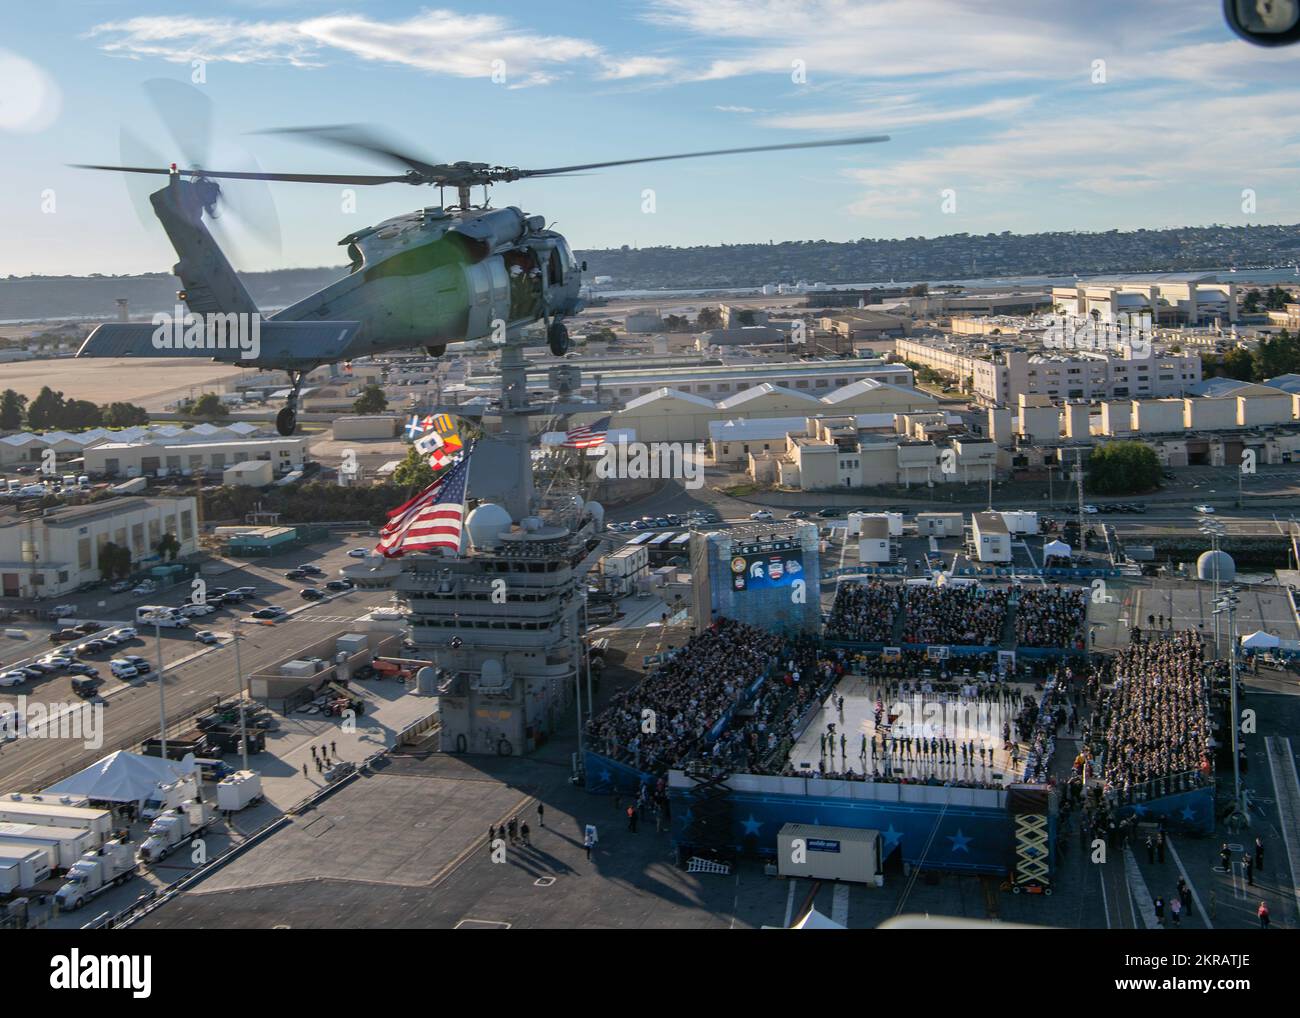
{"type": "Point", "coordinates": [269, 591]}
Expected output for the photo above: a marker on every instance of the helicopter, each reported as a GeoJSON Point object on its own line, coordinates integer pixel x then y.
{"type": "Point", "coordinates": [460, 276]}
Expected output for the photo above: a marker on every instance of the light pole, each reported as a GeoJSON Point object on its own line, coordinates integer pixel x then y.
{"type": "Point", "coordinates": [1227, 602]}
{"type": "Point", "coordinates": [156, 619]}
{"type": "Point", "coordinates": [239, 685]}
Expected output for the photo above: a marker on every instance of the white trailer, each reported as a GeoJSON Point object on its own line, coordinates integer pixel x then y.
{"type": "Point", "coordinates": [22, 866]}
{"type": "Point", "coordinates": [96, 872]}
{"type": "Point", "coordinates": [234, 792]}
{"type": "Point", "coordinates": [830, 853]}
{"type": "Point", "coordinates": [894, 521]}
{"type": "Point", "coordinates": [64, 845]}
{"type": "Point", "coordinates": [1021, 521]}
{"type": "Point", "coordinates": [52, 814]}
{"type": "Point", "coordinates": [175, 826]}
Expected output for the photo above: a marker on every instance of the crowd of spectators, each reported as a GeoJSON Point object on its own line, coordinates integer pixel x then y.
{"type": "Point", "coordinates": [864, 611]}
{"type": "Point", "coordinates": [1153, 721]}
{"type": "Point", "coordinates": [687, 696]}
{"type": "Point", "coordinates": [1052, 617]}
{"type": "Point", "coordinates": [761, 737]}
{"type": "Point", "coordinates": [966, 614]}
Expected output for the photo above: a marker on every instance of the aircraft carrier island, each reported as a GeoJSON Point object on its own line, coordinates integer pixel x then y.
{"type": "Point", "coordinates": [501, 625]}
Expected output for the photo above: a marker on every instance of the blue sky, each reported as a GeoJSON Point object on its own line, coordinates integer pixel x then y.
{"type": "Point", "coordinates": [1035, 115]}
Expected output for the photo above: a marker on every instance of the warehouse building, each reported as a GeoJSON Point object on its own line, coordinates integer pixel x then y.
{"type": "Point", "coordinates": [154, 459]}
{"type": "Point", "coordinates": [56, 552]}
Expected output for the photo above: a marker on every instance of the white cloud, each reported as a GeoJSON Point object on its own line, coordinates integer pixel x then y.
{"type": "Point", "coordinates": [1123, 148]}
{"type": "Point", "coordinates": [893, 112]}
{"type": "Point", "coordinates": [437, 41]}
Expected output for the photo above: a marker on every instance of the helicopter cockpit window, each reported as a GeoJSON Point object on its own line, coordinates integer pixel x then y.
{"type": "Point", "coordinates": [555, 269]}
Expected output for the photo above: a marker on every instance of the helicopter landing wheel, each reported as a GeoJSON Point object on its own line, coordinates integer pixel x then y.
{"type": "Point", "coordinates": [436, 351]}
{"type": "Point", "coordinates": [558, 338]}
{"type": "Point", "coordinates": [285, 421]}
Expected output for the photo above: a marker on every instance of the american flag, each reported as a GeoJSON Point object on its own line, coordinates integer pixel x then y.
{"type": "Point", "coordinates": [587, 436]}
{"type": "Point", "coordinates": [433, 519]}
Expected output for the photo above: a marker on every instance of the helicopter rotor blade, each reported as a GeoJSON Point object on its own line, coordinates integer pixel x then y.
{"type": "Point", "coordinates": [362, 139]}
{"type": "Point", "coordinates": [132, 149]}
{"type": "Point", "coordinates": [553, 170]}
{"type": "Point", "coordinates": [300, 178]}
{"type": "Point", "coordinates": [186, 113]}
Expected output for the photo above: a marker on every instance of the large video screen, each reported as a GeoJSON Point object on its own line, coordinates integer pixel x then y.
{"type": "Point", "coordinates": [765, 570]}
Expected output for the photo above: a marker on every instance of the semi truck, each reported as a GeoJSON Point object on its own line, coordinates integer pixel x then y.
{"type": "Point", "coordinates": [176, 825]}
{"type": "Point", "coordinates": [94, 873]}
{"type": "Point", "coordinates": [64, 845]}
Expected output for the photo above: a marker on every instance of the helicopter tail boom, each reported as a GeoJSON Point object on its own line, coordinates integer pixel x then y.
{"type": "Point", "coordinates": [243, 340]}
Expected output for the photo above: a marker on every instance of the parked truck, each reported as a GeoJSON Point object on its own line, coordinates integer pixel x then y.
{"type": "Point", "coordinates": [243, 788]}
{"type": "Point", "coordinates": [96, 872]}
{"type": "Point", "coordinates": [174, 826]}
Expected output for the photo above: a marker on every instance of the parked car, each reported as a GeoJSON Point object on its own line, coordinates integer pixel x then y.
{"type": "Point", "coordinates": [125, 632]}
{"type": "Point", "coordinates": [1204, 510]}
{"type": "Point", "coordinates": [207, 636]}
{"type": "Point", "coordinates": [81, 668]}
{"type": "Point", "coordinates": [122, 669]}
{"type": "Point", "coordinates": [312, 570]}
{"type": "Point", "coordinates": [31, 671]}
{"type": "Point", "coordinates": [830, 512]}
{"type": "Point", "coordinates": [246, 592]}
{"type": "Point", "coordinates": [358, 553]}
{"type": "Point", "coordinates": [119, 587]}
{"type": "Point", "coordinates": [339, 585]}
{"type": "Point", "coordinates": [195, 611]}
{"type": "Point", "coordinates": [215, 593]}
{"type": "Point", "coordinates": [64, 635]}
{"type": "Point", "coordinates": [295, 574]}
{"type": "Point", "coordinates": [93, 647]}
{"type": "Point", "coordinates": [311, 593]}
{"type": "Point", "coordinates": [59, 661]}
{"type": "Point", "coordinates": [761, 515]}
{"type": "Point", "coordinates": [271, 613]}
{"type": "Point", "coordinates": [86, 628]}
{"type": "Point", "coordinates": [137, 662]}
{"type": "Point", "coordinates": [798, 514]}
{"type": "Point", "coordinates": [12, 678]}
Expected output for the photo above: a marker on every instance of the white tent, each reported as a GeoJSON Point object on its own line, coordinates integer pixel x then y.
{"type": "Point", "coordinates": [123, 777]}
{"type": "Point", "coordinates": [1057, 549]}
{"type": "Point", "coordinates": [814, 920]}
{"type": "Point", "coordinates": [1260, 640]}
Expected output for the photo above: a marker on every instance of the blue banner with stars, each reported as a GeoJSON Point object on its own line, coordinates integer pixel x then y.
{"type": "Point", "coordinates": [1191, 811]}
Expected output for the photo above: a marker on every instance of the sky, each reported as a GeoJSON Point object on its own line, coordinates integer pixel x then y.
{"type": "Point", "coordinates": [1027, 116]}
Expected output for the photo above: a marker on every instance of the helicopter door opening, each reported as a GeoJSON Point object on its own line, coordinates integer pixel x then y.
{"type": "Point", "coordinates": [525, 284]}
{"type": "Point", "coordinates": [555, 269]}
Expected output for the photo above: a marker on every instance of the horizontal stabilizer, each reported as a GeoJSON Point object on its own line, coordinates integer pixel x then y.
{"type": "Point", "coordinates": [264, 344]}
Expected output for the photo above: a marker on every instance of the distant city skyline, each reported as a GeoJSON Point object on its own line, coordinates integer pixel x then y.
{"type": "Point", "coordinates": [1053, 117]}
